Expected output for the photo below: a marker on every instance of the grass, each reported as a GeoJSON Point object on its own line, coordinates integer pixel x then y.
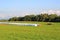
{"type": "Point", "coordinates": [42, 32]}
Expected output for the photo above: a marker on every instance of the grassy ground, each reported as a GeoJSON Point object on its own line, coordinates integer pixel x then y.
{"type": "Point", "coordinates": [42, 32]}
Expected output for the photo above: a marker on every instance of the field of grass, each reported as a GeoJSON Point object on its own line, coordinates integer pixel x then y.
{"type": "Point", "coordinates": [42, 32]}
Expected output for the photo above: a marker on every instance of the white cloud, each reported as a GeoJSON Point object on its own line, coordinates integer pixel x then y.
{"type": "Point", "coordinates": [52, 12]}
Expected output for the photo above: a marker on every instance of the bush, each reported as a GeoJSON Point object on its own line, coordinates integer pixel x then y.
{"type": "Point", "coordinates": [49, 23]}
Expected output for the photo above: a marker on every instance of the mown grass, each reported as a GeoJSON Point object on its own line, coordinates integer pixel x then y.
{"type": "Point", "coordinates": [42, 32]}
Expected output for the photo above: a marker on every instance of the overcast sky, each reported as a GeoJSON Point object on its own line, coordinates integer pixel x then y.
{"type": "Point", "coordinates": [10, 8]}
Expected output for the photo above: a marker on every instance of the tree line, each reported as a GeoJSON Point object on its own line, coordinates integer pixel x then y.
{"type": "Point", "coordinates": [40, 17]}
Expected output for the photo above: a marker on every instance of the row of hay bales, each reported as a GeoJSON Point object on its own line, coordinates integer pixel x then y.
{"type": "Point", "coordinates": [22, 24]}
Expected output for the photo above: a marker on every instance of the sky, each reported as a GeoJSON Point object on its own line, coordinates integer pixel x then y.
{"type": "Point", "coordinates": [11, 8]}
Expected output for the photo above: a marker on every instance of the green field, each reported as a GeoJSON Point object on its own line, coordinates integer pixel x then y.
{"type": "Point", "coordinates": [42, 32]}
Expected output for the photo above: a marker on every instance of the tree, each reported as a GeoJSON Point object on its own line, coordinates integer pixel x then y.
{"type": "Point", "coordinates": [57, 19]}
{"type": "Point", "coordinates": [13, 19]}
{"type": "Point", "coordinates": [20, 18]}
{"type": "Point", "coordinates": [27, 18]}
{"type": "Point", "coordinates": [44, 17]}
{"type": "Point", "coordinates": [52, 17]}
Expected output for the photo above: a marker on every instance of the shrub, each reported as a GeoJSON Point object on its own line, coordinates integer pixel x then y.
{"type": "Point", "coordinates": [49, 23]}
